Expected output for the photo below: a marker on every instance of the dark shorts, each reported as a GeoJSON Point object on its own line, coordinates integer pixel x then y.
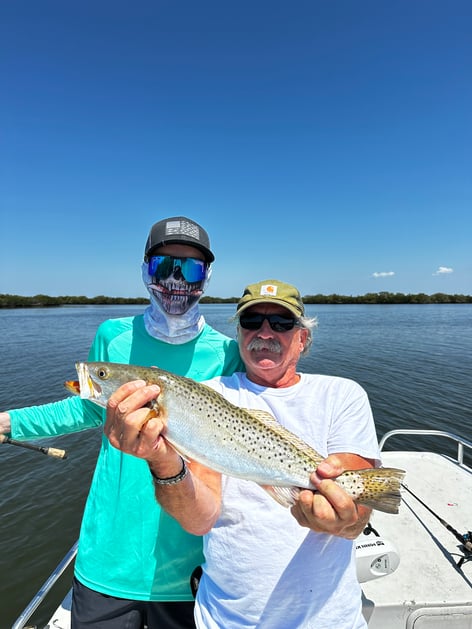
{"type": "Point", "coordinates": [91, 609]}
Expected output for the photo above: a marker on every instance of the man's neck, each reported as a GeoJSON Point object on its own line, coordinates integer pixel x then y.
{"type": "Point", "coordinates": [274, 381]}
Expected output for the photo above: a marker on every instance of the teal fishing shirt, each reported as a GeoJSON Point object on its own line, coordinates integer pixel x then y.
{"type": "Point", "coordinates": [129, 547]}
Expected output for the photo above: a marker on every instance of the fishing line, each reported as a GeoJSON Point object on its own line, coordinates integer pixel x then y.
{"type": "Point", "coordinates": [54, 452]}
{"type": "Point", "coordinates": [465, 540]}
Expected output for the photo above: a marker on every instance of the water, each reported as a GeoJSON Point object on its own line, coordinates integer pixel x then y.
{"type": "Point", "coordinates": [413, 360]}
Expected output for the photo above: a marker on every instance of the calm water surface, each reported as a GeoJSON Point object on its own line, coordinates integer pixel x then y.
{"type": "Point", "coordinates": [414, 362]}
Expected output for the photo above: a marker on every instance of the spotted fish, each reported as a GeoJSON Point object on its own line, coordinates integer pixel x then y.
{"type": "Point", "coordinates": [248, 444]}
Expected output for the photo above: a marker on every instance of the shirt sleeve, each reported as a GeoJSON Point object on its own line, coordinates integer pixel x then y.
{"type": "Point", "coordinates": [352, 423]}
{"type": "Point", "coordinates": [57, 418]}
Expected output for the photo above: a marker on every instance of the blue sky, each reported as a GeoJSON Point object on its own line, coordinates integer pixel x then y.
{"type": "Point", "coordinates": [324, 143]}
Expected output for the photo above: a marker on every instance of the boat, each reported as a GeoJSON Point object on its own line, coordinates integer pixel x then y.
{"type": "Point", "coordinates": [432, 585]}
{"type": "Point", "coordinates": [415, 568]}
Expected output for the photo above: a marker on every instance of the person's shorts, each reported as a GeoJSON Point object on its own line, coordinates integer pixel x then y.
{"type": "Point", "coordinates": [92, 610]}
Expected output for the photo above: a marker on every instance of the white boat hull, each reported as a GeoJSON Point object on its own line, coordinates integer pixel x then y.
{"type": "Point", "coordinates": [427, 590]}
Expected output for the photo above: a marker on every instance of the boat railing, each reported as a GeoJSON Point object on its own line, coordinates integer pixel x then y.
{"type": "Point", "coordinates": [460, 441]}
{"type": "Point", "coordinates": [36, 601]}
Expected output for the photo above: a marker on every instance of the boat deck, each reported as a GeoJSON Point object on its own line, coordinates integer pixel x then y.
{"type": "Point", "coordinates": [427, 589]}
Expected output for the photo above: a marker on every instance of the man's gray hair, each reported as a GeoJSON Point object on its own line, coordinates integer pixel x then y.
{"type": "Point", "coordinates": [308, 323]}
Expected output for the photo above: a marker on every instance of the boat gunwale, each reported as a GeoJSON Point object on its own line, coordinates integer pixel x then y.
{"type": "Point", "coordinates": [460, 441]}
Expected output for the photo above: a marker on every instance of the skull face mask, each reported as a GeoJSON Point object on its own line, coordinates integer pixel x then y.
{"type": "Point", "coordinates": [176, 283]}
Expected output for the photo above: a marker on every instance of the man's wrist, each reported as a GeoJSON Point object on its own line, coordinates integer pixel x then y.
{"type": "Point", "coordinates": [170, 480]}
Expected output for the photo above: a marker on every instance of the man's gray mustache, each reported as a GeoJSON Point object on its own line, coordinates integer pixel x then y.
{"type": "Point", "coordinates": [271, 345]}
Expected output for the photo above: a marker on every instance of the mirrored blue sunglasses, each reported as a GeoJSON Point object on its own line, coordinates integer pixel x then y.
{"type": "Point", "coordinates": [193, 269]}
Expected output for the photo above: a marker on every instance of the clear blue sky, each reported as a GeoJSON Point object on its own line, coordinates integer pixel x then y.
{"type": "Point", "coordinates": [325, 143]}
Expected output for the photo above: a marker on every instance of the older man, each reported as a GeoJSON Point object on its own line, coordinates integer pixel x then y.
{"type": "Point", "coordinates": [262, 567]}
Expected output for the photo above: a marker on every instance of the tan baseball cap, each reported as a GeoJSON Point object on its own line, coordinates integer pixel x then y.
{"type": "Point", "coordinates": [272, 292]}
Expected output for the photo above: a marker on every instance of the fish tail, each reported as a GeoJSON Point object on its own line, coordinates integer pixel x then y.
{"type": "Point", "coordinates": [377, 488]}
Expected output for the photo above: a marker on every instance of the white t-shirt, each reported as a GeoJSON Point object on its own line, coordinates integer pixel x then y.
{"type": "Point", "coordinates": [262, 569]}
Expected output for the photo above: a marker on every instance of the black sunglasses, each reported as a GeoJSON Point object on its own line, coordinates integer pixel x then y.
{"type": "Point", "coordinates": [278, 323]}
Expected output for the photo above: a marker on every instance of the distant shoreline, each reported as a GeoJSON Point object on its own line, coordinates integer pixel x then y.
{"type": "Point", "coordinates": [46, 301]}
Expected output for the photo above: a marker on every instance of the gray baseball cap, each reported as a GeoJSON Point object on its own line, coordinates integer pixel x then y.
{"type": "Point", "coordinates": [178, 230]}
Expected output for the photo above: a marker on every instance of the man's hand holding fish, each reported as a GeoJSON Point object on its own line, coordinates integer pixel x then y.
{"type": "Point", "coordinates": [128, 425]}
{"type": "Point", "coordinates": [330, 509]}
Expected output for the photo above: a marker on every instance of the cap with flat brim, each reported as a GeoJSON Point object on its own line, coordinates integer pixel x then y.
{"type": "Point", "coordinates": [178, 230]}
{"type": "Point", "coordinates": [272, 292]}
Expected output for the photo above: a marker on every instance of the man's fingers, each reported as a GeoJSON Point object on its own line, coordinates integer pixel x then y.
{"type": "Point", "coordinates": [125, 391]}
{"type": "Point", "coordinates": [336, 499]}
{"type": "Point", "coordinates": [123, 418]}
{"type": "Point", "coordinates": [132, 396]}
{"type": "Point", "coordinates": [328, 510]}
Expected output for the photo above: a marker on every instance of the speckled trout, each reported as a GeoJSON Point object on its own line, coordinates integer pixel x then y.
{"type": "Point", "coordinates": [248, 444]}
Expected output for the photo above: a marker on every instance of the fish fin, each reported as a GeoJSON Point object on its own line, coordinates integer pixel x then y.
{"type": "Point", "coordinates": [272, 424]}
{"type": "Point", "coordinates": [376, 488]}
{"type": "Point", "coordinates": [386, 504]}
{"type": "Point", "coordinates": [262, 416]}
{"type": "Point", "coordinates": [285, 496]}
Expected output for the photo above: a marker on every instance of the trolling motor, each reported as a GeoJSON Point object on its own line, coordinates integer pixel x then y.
{"type": "Point", "coordinates": [376, 557]}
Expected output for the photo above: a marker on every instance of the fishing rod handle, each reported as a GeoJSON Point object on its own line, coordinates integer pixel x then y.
{"type": "Point", "coordinates": [56, 452]}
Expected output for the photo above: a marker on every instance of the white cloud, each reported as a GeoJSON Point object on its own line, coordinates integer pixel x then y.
{"type": "Point", "coordinates": [443, 270]}
{"type": "Point", "coordinates": [383, 274]}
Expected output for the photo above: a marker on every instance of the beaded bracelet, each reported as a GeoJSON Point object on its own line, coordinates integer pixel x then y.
{"type": "Point", "coordinates": [172, 480]}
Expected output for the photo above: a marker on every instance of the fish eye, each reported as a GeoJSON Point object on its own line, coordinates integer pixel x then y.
{"type": "Point", "coordinates": [102, 373]}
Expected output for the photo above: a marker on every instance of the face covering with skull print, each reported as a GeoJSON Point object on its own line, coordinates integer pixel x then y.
{"type": "Point", "coordinates": [170, 289]}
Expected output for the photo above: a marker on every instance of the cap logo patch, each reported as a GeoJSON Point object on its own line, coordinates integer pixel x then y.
{"type": "Point", "coordinates": [269, 289]}
{"type": "Point", "coordinates": [180, 228]}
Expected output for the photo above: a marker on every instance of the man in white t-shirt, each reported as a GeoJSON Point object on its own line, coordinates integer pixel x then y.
{"type": "Point", "coordinates": [268, 567]}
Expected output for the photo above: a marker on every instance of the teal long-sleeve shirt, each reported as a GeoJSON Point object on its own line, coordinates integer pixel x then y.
{"type": "Point", "coordinates": [128, 546]}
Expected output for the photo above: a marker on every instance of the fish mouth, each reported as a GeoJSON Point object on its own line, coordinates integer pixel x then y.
{"type": "Point", "coordinates": [72, 386]}
{"type": "Point", "coordinates": [89, 389]}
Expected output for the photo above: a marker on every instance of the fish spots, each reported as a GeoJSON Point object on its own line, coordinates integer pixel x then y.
{"type": "Point", "coordinates": [352, 483]}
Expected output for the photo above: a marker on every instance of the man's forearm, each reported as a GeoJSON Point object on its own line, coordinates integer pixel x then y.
{"type": "Point", "coordinates": [191, 498]}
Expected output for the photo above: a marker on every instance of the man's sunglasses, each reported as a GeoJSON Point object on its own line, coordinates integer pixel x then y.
{"type": "Point", "coordinates": [193, 269]}
{"type": "Point", "coordinates": [278, 323]}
